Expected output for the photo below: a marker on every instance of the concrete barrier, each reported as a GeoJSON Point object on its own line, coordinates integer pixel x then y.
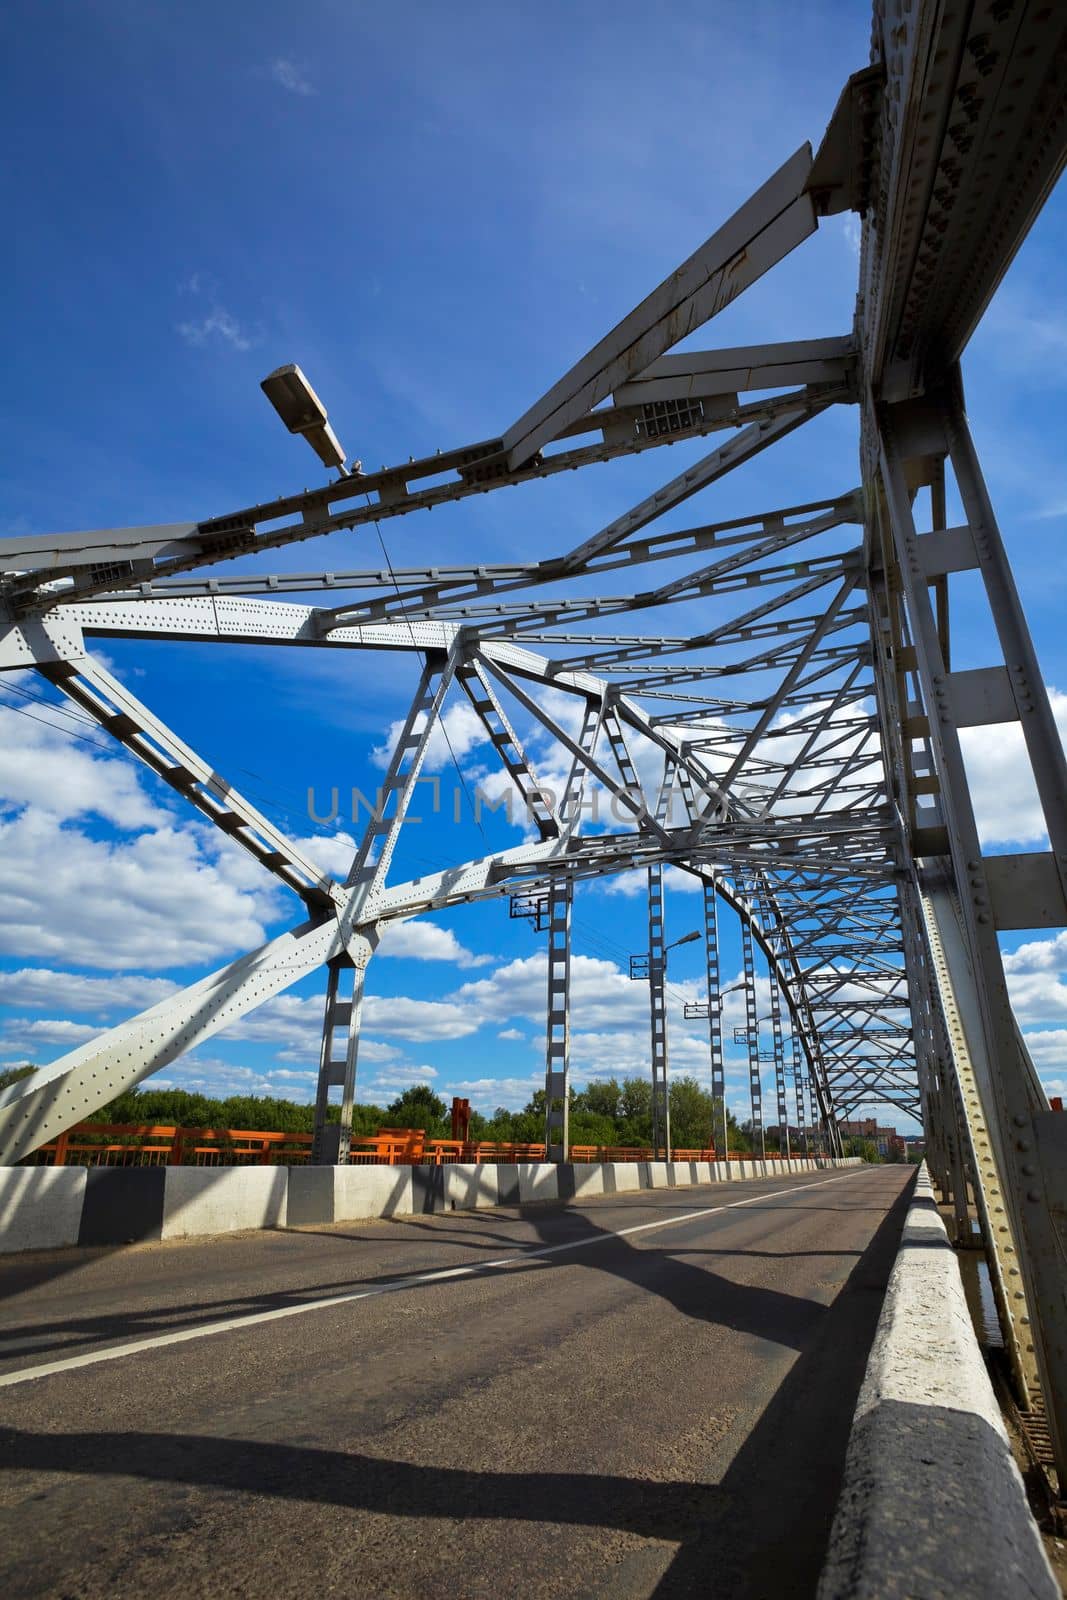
{"type": "Point", "coordinates": [319, 1195]}
{"type": "Point", "coordinates": [623, 1176]}
{"type": "Point", "coordinates": [40, 1207]}
{"type": "Point", "coordinates": [47, 1207]}
{"type": "Point", "coordinates": [932, 1502]}
{"type": "Point", "coordinates": [589, 1178]}
{"type": "Point", "coordinates": [467, 1188]}
{"type": "Point", "coordinates": [538, 1180]}
{"type": "Point", "coordinates": [199, 1200]}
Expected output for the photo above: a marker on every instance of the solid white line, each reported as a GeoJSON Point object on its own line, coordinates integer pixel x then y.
{"type": "Point", "coordinates": [253, 1318]}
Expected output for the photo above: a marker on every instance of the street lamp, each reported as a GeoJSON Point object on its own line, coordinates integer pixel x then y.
{"type": "Point", "coordinates": [695, 1010]}
{"type": "Point", "coordinates": [640, 966]}
{"type": "Point", "coordinates": [302, 411]}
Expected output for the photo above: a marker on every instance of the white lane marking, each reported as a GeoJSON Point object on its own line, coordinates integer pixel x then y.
{"type": "Point", "coordinates": [253, 1318]}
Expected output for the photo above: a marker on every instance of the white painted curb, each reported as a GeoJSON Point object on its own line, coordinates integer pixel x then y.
{"type": "Point", "coordinates": [932, 1503]}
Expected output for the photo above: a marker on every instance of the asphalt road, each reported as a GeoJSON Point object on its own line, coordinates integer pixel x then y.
{"type": "Point", "coordinates": [660, 1412]}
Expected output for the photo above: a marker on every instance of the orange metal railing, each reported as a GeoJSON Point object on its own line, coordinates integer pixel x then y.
{"type": "Point", "coordinates": [132, 1144]}
{"type": "Point", "coordinates": [138, 1144]}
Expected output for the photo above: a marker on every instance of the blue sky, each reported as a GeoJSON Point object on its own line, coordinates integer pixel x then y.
{"type": "Point", "coordinates": [434, 210]}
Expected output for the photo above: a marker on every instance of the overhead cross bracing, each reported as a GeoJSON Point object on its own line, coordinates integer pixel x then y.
{"type": "Point", "coordinates": [804, 697]}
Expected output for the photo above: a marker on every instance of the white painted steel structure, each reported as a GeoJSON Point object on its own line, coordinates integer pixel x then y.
{"type": "Point", "coordinates": [810, 741]}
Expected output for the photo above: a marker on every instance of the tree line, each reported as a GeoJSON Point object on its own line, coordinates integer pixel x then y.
{"type": "Point", "coordinates": [611, 1112]}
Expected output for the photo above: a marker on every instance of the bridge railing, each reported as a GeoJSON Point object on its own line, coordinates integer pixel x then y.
{"type": "Point", "coordinates": [132, 1144]}
{"type": "Point", "coordinates": [138, 1144]}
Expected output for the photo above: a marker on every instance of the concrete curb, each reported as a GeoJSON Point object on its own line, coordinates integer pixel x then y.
{"type": "Point", "coordinates": [45, 1208]}
{"type": "Point", "coordinates": [932, 1503]}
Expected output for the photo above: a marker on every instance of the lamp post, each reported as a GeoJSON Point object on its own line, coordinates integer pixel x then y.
{"type": "Point", "coordinates": [641, 964]}
{"type": "Point", "coordinates": [696, 1010]}
{"type": "Point", "coordinates": [709, 1012]}
{"type": "Point", "coordinates": [653, 966]}
{"type": "Point", "coordinates": [303, 412]}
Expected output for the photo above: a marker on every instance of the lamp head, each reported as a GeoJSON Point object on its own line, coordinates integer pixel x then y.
{"type": "Point", "coordinates": [302, 411]}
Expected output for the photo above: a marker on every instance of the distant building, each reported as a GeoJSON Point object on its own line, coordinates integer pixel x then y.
{"type": "Point", "coordinates": [887, 1141]}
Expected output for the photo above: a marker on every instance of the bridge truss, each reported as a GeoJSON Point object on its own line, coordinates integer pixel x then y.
{"type": "Point", "coordinates": [799, 752]}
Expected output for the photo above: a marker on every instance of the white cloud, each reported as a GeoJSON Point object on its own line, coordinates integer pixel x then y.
{"type": "Point", "coordinates": [213, 1076]}
{"type": "Point", "coordinates": [400, 1076]}
{"type": "Point", "coordinates": [289, 75]}
{"type": "Point", "coordinates": [218, 325]}
{"type": "Point", "coordinates": [1035, 974]}
{"type": "Point", "coordinates": [426, 941]}
{"type": "Point", "coordinates": [485, 1094]}
{"type": "Point", "coordinates": [160, 899]}
{"type": "Point", "coordinates": [632, 884]}
{"type": "Point", "coordinates": [602, 998]}
{"type": "Point", "coordinates": [43, 1033]}
{"type": "Point", "coordinates": [1002, 784]}
{"type": "Point", "coordinates": [174, 894]}
{"type": "Point", "coordinates": [46, 768]}
{"type": "Point", "coordinates": [463, 727]}
{"type": "Point", "coordinates": [294, 1023]}
{"type": "Point", "coordinates": [332, 852]}
{"type": "Point", "coordinates": [418, 1020]}
{"type": "Point", "coordinates": [40, 987]}
{"type": "Point", "coordinates": [511, 1033]}
{"type": "Point", "coordinates": [1048, 1047]}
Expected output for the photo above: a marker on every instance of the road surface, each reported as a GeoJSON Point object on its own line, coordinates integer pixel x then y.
{"type": "Point", "coordinates": [657, 1411]}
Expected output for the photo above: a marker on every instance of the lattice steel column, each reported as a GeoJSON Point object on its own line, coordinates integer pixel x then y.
{"type": "Point", "coordinates": [817, 1125]}
{"type": "Point", "coordinates": [798, 1095]}
{"type": "Point", "coordinates": [779, 1061]}
{"type": "Point", "coordinates": [719, 1128]}
{"type": "Point", "coordinates": [557, 1034]}
{"type": "Point", "coordinates": [331, 1141]}
{"type": "Point", "coordinates": [657, 1006]}
{"type": "Point", "coordinates": [755, 1083]}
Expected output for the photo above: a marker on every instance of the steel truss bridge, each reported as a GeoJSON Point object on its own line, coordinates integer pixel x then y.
{"type": "Point", "coordinates": [806, 747]}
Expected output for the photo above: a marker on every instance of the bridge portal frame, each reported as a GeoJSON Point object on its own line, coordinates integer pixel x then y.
{"type": "Point", "coordinates": [880, 851]}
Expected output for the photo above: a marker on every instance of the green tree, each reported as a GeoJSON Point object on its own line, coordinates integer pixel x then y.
{"type": "Point", "coordinates": [12, 1075]}
{"type": "Point", "coordinates": [692, 1110]}
{"type": "Point", "coordinates": [635, 1101]}
{"type": "Point", "coordinates": [418, 1107]}
{"type": "Point", "coordinates": [861, 1147]}
{"type": "Point", "coordinates": [599, 1099]}
{"type": "Point", "coordinates": [589, 1128]}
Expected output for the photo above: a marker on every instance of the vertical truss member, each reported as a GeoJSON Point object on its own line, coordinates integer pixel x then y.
{"type": "Point", "coordinates": [779, 1061]}
{"type": "Point", "coordinates": [719, 1131]}
{"type": "Point", "coordinates": [557, 1032]}
{"type": "Point", "coordinates": [657, 1009]}
{"type": "Point", "coordinates": [755, 1083]}
{"type": "Point", "coordinates": [798, 1095]}
{"type": "Point", "coordinates": [657, 979]}
{"type": "Point", "coordinates": [332, 1141]}
{"type": "Point", "coordinates": [818, 1125]}
{"type": "Point", "coordinates": [769, 918]}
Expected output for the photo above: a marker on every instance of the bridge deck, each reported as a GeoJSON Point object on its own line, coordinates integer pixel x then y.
{"type": "Point", "coordinates": [665, 1411]}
